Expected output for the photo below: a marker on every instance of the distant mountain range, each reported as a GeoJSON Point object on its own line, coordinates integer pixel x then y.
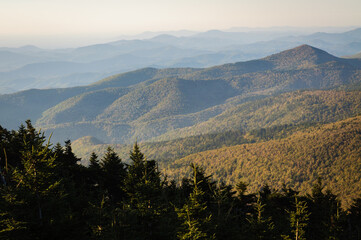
{"type": "Point", "coordinates": [357, 55]}
{"type": "Point", "coordinates": [31, 67]}
{"type": "Point", "coordinates": [285, 119]}
{"type": "Point", "coordinates": [163, 104]}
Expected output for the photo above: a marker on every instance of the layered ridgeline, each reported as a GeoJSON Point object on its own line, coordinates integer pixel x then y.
{"type": "Point", "coordinates": [259, 120]}
{"type": "Point", "coordinates": [330, 151]}
{"type": "Point", "coordinates": [163, 104]}
{"type": "Point", "coordinates": [358, 55]}
{"type": "Point", "coordinates": [32, 67]}
{"type": "Point", "coordinates": [291, 155]}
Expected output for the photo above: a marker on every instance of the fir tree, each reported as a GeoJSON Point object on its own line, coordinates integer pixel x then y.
{"type": "Point", "coordinates": [325, 217]}
{"type": "Point", "coordinates": [298, 220]}
{"type": "Point", "coordinates": [143, 187]}
{"type": "Point", "coordinates": [261, 227]}
{"type": "Point", "coordinates": [194, 217]}
{"type": "Point", "coordinates": [355, 219]}
{"type": "Point", "coordinates": [35, 189]}
{"type": "Point", "coordinates": [114, 172]}
{"type": "Point", "coordinates": [95, 172]}
{"type": "Point", "coordinates": [94, 162]}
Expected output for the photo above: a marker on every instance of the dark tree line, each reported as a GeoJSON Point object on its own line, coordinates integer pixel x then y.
{"type": "Point", "coordinates": [47, 194]}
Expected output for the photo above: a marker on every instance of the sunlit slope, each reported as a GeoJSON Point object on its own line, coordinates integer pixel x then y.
{"type": "Point", "coordinates": [331, 151]}
{"type": "Point", "coordinates": [161, 104]}
{"type": "Point", "coordinates": [281, 115]}
{"type": "Point", "coordinates": [158, 117]}
{"type": "Point", "coordinates": [166, 152]}
{"type": "Point", "coordinates": [174, 107]}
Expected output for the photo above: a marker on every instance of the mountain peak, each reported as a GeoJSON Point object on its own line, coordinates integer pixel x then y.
{"type": "Point", "coordinates": [304, 47]}
{"type": "Point", "coordinates": [87, 141]}
{"type": "Point", "coordinates": [164, 37]}
{"type": "Point", "coordinates": [355, 32]}
{"type": "Point", "coordinates": [300, 57]}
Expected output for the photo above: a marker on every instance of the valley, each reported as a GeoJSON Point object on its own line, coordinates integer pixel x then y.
{"type": "Point", "coordinates": [163, 104]}
{"type": "Point", "coordinates": [249, 121]}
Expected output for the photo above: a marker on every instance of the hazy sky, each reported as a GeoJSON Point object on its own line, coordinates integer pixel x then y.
{"type": "Point", "coordinates": [105, 18]}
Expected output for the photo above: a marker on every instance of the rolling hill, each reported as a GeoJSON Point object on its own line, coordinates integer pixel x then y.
{"type": "Point", "coordinates": [30, 104]}
{"type": "Point", "coordinates": [288, 108]}
{"type": "Point", "coordinates": [295, 114]}
{"type": "Point", "coordinates": [331, 151]}
{"type": "Point", "coordinates": [358, 55]}
{"type": "Point", "coordinates": [201, 99]}
{"type": "Point", "coordinates": [167, 151]}
{"type": "Point", "coordinates": [240, 124]}
{"type": "Point", "coordinates": [163, 104]}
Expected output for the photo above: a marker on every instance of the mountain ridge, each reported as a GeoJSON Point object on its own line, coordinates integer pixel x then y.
{"type": "Point", "coordinates": [197, 50]}
{"type": "Point", "coordinates": [120, 105]}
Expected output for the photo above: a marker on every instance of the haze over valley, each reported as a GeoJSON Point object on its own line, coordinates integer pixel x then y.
{"type": "Point", "coordinates": [180, 120]}
{"type": "Point", "coordinates": [32, 67]}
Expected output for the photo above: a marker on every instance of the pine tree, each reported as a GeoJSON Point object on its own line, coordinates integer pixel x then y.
{"type": "Point", "coordinates": [194, 215]}
{"type": "Point", "coordinates": [143, 181]}
{"type": "Point", "coordinates": [298, 220]}
{"type": "Point", "coordinates": [136, 155]}
{"type": "Point", "coordinates": [75, 183]}
{"type": "Point", "coordinates": [37, 175]}
{"type": "Point", "coordinates": [225, 212]}
{"type": "Point", "coordinates": [113, 175]}
{"type": "Point", "coordinates": [12, 225]}
{"type": "Point", "coordinates": [355, 219]}
{"type": "Point", "coordinates": [325, 218]}
{"type": "Point", "coordinates": [34, 192]}
{"type": "Point", "coordinates": [261, 227]}
{"type": "Point", "coordinates": [95, 172]}
{"type": "Point", "coordinates": [94, 162]}
{"type": "Point", "coordinates": [143, 187]}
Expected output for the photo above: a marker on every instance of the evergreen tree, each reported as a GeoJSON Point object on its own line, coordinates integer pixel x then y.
{"type": "Point", "coordinates": [113, 173]}
{"type": "Point", "coordinates": [261, 227]}
{"type": "Point", "coordinates": [76, 190]}
{"type": "Point", "coordinates": [142, 182]}
{"type": "Point", "coordinates": [144, 189]}
{"type": "Point", "coordinates": [325, 217]}
{"type": "Point", "coordinates": [95, 173]}
{"type": "Point", "coordinates": [12, 224]}
{"type": "Point", "coordinates": [298, 220]}
{"type": "Point", "coordinates": [35, 189]}
{"type": "Point", "coordinates": [194, 217]}
{"type": "Point", "coordinates": [67, 162]}
{"type": "Point", "coordinates": [355, 219]}
{"type": "Point", "coordinates": [225, 212]}
{"type": "Point", "coordinates": [46, 194]}
{"type": "Point", "coordinates": [244, 203]}
{"type": "Point", "coordinates": [136, 155]}
{"type": "Point", "coordinates": [94, 162]}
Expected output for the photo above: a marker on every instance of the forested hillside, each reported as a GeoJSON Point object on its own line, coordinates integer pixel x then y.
{"type": "Point", "coordinates": [163, 104]}
{"type": "Point", "coordinates": [173, 103]}
{"type": "Point", "coordinates": [288, 108]}
{"type": "Point", "coordinates": [245, 133]}
{"type": "Point", "coordinates": [295, 155]}
{"type": "Point", "coordinates": [46, 194]}
{"type": "Point", "coordinates": [330, 151]}
{"type": "Point", "coordinates": [288, 111]}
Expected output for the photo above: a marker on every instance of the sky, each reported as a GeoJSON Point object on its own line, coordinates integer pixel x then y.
{"type": "Point", "coordinates": [72, 21]}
